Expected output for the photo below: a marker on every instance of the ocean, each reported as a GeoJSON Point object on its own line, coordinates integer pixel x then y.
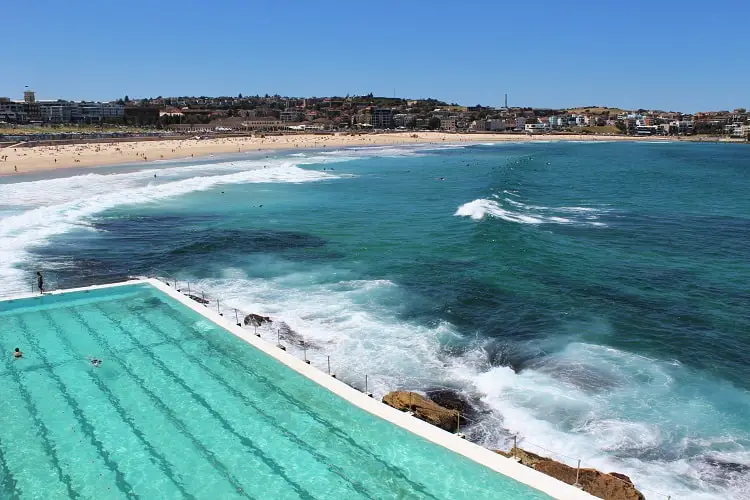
{"type": "Point", "coordinates": [590, 299]}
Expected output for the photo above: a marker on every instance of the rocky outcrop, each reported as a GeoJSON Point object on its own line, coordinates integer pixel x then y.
{"type": "Point", "coordinates": [621, 476]}
{"type": "Point", "coordinates": [257, 320]}
{"type": "Point", "coordinates": [613, 486]}
{"type": "Point", "coordinates": [423, 409]}
{"type": "Point", "coordinates": [199, 300]}
{"type": "Point", "coordinates": [452, 400]}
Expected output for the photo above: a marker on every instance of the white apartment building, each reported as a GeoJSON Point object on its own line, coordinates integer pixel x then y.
{"type": "Point", "coordinates": [681, 127]}
{"type": "Point", "coordinates": [382, 118]}
{"type": "Point", "coordinates": [70, 111]}
{"type": "Point", "coordinates": [738, 130]}
{"type": "Point", "coordinates": [534, 128]}
{"type": "Point", "coordinates": [557, 122]}
{"type": "Point", "coordinates": [448, 123]}
{"type": "Point", "coordinates": [478, 126]}
{"type": "Point", "coordinates": [402, 119]}
{"type": "Point", "coordinates": [12, 111]}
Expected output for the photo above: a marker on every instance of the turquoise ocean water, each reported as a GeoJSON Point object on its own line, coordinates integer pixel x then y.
{"type": "Point", "coordinates": [589, 297]}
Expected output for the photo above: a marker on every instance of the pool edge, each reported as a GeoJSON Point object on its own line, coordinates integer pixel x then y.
{"type": "Point", "coordinates": [474, 452]}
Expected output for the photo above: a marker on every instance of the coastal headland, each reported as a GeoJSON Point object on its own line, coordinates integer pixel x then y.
{"type": "Point", "coordinates": [50, 155]}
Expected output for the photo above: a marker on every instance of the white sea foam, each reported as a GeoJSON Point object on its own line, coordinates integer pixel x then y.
{"type": "Point", "coordinates": [587, 402]}
{"type": "Point", "coordinates": [61, 205]}
{"type": "Point", "coordinates": [522, 213]}
{"type": "Point", "coordinates": [478, 209]}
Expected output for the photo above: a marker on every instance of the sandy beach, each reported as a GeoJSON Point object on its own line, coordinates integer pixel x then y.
{"type": "Point", "coordinates": [19, 160]}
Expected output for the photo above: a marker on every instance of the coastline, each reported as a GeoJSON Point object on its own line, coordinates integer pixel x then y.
{"type": "Point", "coordinates": [32, 159]}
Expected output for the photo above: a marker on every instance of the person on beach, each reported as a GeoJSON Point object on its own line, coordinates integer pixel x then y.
{"type": "Point", "coordinates": [17, 353]}
{"type": "Point", "coordinates": [40, 281]}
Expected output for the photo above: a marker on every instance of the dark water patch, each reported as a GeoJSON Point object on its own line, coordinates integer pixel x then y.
{"type": "Point", "coordinates": [121, 247]}
{"type": "Point", "coordinates": [209, 242]}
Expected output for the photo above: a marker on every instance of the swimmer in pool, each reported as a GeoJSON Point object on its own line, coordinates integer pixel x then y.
{"type": "Point", "coordinates": [17, 353]}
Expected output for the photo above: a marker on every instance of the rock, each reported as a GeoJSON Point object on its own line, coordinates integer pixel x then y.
{"type": "Point", "coordinates": [200, 300]}
{"type": "Point", "coordinates": [424, 409]}
{"type": "Point", "coordinates": [257, 320]}
{"type": "Point", "coordinates": [613, 486]}
{"type": "Point", "coordinates": [728, 467]}
{"type": "Point", "coordinates": [453, 400]}
{"type": "Point", "coordinates": [621, 476]}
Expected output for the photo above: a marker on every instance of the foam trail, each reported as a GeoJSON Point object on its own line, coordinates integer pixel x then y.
{"type": "Point", "coordinates": [478, 209]}
{"type": "Point", "coordinates": [522, 213]}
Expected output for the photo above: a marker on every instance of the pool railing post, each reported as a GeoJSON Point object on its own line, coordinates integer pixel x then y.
{"type": "Point", "coordinates": [329, 368]}
{"type": "Point", "coordinates": [237, 317]}
{"type": "Point", "coordinates": [515, 445]}
{"type": "Point", "coordinates": [304, 352]}
{"type": "Point", "coordinates": [256, 330]}
{"type": "Point", "coordinates": [217, 307]}
{"type": "Point", "coordinates": [188, 288]}
{"type": "Point", "coordinates": [578, 471]}
{"type": "Point", "coordinates": [458, 425]}
{"type": "Point", "coordinates": [205, 302]}
{"type": "Point", "coordinates": [278, 340]}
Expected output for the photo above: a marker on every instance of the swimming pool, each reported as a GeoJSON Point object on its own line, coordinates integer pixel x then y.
{"type": "Point", "coordinates": [181, 408]}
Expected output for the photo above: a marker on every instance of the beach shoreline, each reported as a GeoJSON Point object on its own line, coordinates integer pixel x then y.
{"type": "Point", "coordinates": [24, 159]}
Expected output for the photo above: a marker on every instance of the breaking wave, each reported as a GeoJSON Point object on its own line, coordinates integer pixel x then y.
{"type": "Point", "coordinates": [39, 210]}
{"type": "Point", "coordinates": [511, 210]}
{"type": "Point", "coordinates": [583, 401]}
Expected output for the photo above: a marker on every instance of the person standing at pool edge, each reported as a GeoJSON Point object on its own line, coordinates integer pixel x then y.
{"type": "Point", "coordinates": [40, 281]}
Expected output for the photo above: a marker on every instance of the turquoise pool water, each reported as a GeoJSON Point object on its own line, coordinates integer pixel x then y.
{"type": "Point", "coordinates": [180, 408]}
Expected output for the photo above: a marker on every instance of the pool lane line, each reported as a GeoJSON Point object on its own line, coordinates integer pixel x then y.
{"type": "Point", "coordinates": [319, 457]}
{"type": "Point", "coordinates": [44, 433]}
{"type": "Point", "coordinates": [122, 484]}
{"type": "Point", "coordinates": [40, 366]}
{"type": "Point", "coordinates": [162, 463]}
{"type": "Point", "coordinates": [293, 401]}
{"type": "Point", "coordinates": [208, 455]}
{"type": "Point", "coordinates": [8, 483]}
{"type": "Point", "coordinates": [245, 441]}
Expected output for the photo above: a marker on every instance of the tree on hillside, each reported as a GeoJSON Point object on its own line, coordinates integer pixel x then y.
{"type": "Point", "coordinates": [434, 123]}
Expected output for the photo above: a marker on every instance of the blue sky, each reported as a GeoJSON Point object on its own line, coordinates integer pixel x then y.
{"type": "Point", "coordinates": [687, 55]}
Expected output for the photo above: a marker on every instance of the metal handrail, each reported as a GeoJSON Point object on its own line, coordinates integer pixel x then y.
{"type": "Point", "coordinates": [302, 348]}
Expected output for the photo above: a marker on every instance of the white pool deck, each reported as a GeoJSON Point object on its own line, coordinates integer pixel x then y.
{"type": "Point", "coordinates": [472, 451]}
